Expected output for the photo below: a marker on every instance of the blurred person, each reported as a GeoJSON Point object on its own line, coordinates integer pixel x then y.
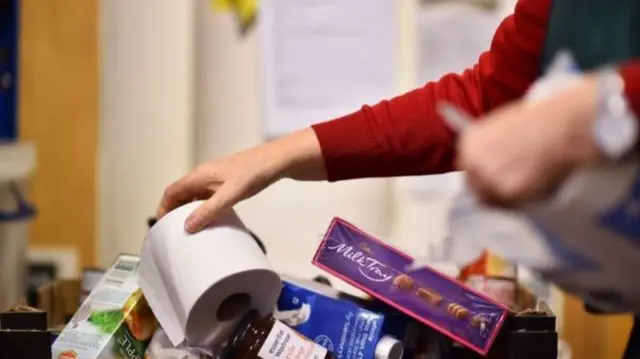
{"type": "Point", "coordinates": [515, 152]}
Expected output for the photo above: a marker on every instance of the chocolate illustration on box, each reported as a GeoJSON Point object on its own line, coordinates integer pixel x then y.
{"type": "Point", "coordinates": [440, 302]}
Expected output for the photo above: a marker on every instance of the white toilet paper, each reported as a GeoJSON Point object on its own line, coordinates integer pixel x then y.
{"type": "Point", "coordinates": [200, 285]}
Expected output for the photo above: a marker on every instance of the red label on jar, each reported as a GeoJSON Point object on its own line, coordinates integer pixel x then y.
{"type": "Point", "coordinates": [69, 354]}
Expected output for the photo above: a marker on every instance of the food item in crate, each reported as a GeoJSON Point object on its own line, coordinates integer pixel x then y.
{"type": "Point", "coordinates": [160, 347]}
{"type": "Point", "coordinates": [378, 269]}
{"type": "Point", "coordinates": [114, 322]}
{"type": "Point", "coordinates": [429, 295]}
{"type": "Point", "coordinates": [90, 278]}
{"type": "Point", "coordinates": [403, 282]}
{"type": "Point", "coordinates": [494, 277]}
{"type": "Point", "coordinates": [341, 326]}
{"type": "Point", "coordinates": [265, 337]}
{"type": "Point", "coordinates": [458, 311]}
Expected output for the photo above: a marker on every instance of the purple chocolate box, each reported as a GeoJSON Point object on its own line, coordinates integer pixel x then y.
{"type": "Point", "coordinates": [372, 266]}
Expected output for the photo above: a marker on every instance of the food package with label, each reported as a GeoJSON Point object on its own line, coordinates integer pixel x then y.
{"type": "Point", "coordinates": [89, 280]}
{"type": "Point", "coordinates": [492, 276]}
{"type": "Point", "coordinates": [341, 326]}
{"type": "Point", "coordinates": [114, 322]}
{"type": "Point", "coordinates": [462, 313]}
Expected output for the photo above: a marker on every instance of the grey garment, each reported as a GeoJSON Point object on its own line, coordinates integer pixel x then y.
{"type": "Point", "coordinates": [596, 32]}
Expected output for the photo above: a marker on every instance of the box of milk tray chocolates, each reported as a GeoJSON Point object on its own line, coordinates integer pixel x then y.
{"type": "Point", "coordinates": [440, 302]}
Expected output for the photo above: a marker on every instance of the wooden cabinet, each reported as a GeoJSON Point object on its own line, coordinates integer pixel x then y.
{"type": "Point", "coordinates": [58, 104]}
{"type": "Point", "coordinates": [594, 336]}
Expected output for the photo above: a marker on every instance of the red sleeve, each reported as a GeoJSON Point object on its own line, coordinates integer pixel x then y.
{"type": "Point", "coordinates": [630, 72]}
{"type": "Point", "coordinates": [404, 135]}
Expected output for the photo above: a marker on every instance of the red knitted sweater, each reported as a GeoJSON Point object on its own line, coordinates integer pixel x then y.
{"type": "Point", "coordinates": [405, 136]}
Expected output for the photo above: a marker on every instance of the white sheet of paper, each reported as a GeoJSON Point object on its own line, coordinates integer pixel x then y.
{"type": "Point", "coordinates": [451, 37]}
{"type": "Point", "coordinates": [428, 187]}
{"type": "Point", "coordinates": [325, 58]}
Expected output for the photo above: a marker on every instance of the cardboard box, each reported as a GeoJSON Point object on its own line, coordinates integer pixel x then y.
{"type": "Point", "coordinates": [60, 299]}
{"type": "Point", "coordinates": [115, 321]}
{"type": "Point", "coordinates": [490, 265]}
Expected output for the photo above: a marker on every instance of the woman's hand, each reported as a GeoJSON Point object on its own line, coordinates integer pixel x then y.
{"type": "Point", "coordinates": [225, 182]}
{"type": "Point", "coordinates": [523, 151]}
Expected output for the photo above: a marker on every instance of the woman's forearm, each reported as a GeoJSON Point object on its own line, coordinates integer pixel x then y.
{"type": "Point", "coordinates": [301, 155]}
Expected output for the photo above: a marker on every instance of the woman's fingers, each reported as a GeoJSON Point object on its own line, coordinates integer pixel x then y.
{"type": "Point", "coordinates": [224, 198]}
{"type": "Point", "coordinates": [192, 186]}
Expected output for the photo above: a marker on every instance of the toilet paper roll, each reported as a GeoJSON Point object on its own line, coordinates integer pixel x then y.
{"type": "Point", "coordinates": [200, 285]}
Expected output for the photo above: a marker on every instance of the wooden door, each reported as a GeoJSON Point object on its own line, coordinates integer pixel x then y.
{"type": "Point", "coordinates": [594, 336]}
{"type": "Point", "coordinates": [59, 111]}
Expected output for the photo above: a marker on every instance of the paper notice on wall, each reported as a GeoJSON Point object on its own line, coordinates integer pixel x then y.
{"type": "Point", "coordinates": [451, 37]}
{"type": "Point", "coordinates": [325, 58]}
{"type": "Point", "coordinates": [432, 186]}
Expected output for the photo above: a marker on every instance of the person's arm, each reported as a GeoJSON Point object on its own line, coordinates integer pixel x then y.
{"type": "Point", "coordinates": [630, 72]}
{"type": "Point", "coordinates": [405, 136]}
{"type": "Point", "coordinates": [580, 105]}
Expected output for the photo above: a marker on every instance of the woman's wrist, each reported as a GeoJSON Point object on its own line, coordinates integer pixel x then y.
{"type": "Point", "coordinates": [299, 156]}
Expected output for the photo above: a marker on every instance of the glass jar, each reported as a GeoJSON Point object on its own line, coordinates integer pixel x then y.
{"type": "Point", "coordinates": [267, 338]}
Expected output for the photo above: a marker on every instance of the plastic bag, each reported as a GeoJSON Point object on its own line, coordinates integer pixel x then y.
{"type": "Point", "coordinates": [586, 239]}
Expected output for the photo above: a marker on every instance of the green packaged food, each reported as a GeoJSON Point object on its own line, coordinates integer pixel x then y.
{"type": "Point", "coordinates": [114, 322]}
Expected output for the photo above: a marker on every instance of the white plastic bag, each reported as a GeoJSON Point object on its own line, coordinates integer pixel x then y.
{"type": "Point", "coordinates": [586, 239]}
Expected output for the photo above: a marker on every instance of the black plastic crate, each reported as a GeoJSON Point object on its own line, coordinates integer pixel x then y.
{"type": "Point", "coordinates": [528, 335]}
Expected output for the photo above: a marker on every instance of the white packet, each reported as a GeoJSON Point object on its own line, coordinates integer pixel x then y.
{"type": "Point", "coordinates": [160, 347]}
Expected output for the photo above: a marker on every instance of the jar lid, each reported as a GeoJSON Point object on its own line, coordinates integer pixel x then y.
{"type": "Point", "coordinates": [389, 348]}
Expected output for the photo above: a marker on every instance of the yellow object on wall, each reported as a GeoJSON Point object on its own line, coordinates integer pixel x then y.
{"type": "Point", "coordinates": [221, 5]}
{"type": "Point", "coordinates": [245, 11]}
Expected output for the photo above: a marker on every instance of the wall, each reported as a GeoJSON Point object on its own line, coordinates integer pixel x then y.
{"type": "Point", "coordinates": [59, 112]}
{"type": "Point", "coordinates": [290, 216]}
{"type": "Point", "coordinates": [146, 114]}
{"type": "Point", "coordinates": [155, 127]}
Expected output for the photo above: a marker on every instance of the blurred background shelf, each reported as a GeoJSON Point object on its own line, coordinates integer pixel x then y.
{"type": "Point", "coordinates": [17, 161]}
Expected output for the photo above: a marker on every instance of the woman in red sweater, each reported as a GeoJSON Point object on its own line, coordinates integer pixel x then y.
{"type": "Point", "coordinates": [513, 153]}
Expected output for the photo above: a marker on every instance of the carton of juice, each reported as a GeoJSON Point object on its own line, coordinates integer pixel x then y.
{"type": "Point", "coordinates": [114, 322]}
